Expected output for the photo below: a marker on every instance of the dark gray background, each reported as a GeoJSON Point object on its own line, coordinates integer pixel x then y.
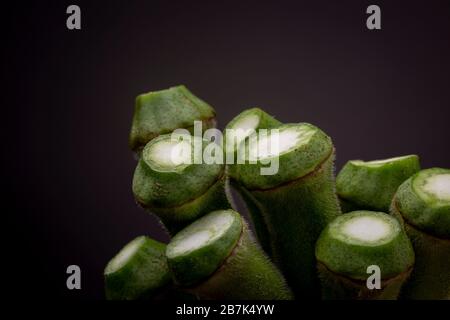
{"type": "Point", "coordinates": [69, 98]}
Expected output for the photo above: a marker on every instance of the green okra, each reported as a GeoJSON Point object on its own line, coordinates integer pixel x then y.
{"type": "Point", "coordinates": [371, 185]}
{"type": "Point", "coordinates": [296, 202]}
{"type": "Point", "coordinates": [244, 123]}
{"type": "Point", "coordinates": [138, 271]}
{"type": "Point", "coordinates": [216, 258]}
{"type": "Point", "coordinates": [422, 204]}
{"type": "Point", "coordinates": [239, 128]}
{"type": "Point", "coordinates": [356, 241]}
{"type": "Point", "coordinates": [169, 183]}
{"type": "Point", "coordinates": [161, 112]}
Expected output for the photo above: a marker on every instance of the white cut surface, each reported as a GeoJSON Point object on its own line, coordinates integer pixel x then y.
{"type": "Point", "coordinates": [124, 255]}
{"type": "Point", "coordinates": [278, 142]}
{"type": "Point", "coordinates": [366, 229]}
{"type": "Point", "coordinates": [241, 129]}
{"type": "Point", "coordinates": [193, 241]}
{"type": "Point", "coordinates": [377, 163]}
{"type": "Point", "coordinates": [200, 233]}
{"type": "Point", "coordinates": [250, 121]}
{"type": "Point", "coordinates": [170, 154]}
{"type": "Point", "coordinates": [438, 186]}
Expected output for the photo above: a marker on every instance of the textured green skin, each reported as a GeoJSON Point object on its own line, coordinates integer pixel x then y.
{"type": "Point", "coordinates": [430, 279]}
{"type": "Point", "coordinates": [161, 112]}
{"type": "Point", "coordinates": [296, 204]}
{"type": "Point", "coordinates": [176, 218]}
{"type": "Point", "coordinates": [247, 274]}
{"type": "Point", "coordinates": [266, 122]}
{"type": "Point", "coordinates": [257, 217]}
{"type": "Point", "coordinates": [432, 217]}
{"type": "Point", "coordinates": [178, 198]}
{"type": "Point", "coordinates": [158, 188]}
{"type": "Point", "coordinates": [372, 188]}
{"type": "Point", "coordinates": [192, 267]}
{"type": "Point", "coordinates": [144, 275]}
{"type": "Point", "coordinates": [351, 260]}
{"type": "Point", "coordinates": [338, 287]}
{"type": "Point", "coordinates": [292, 165]}
{"type": "Point", "coordinates": [295, 214]}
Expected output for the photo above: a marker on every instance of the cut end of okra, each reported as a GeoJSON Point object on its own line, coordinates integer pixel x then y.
{"type": "Point", "coordinates": [163, 111]}
{"type": "Point", "coordinates": [166, 175]}
{"type": "Point", "coordinates": [424, 201]}
{"type": "Point", "coordinates": [244, 124]}
{"type": "Point", "coordinates": [372, 184]}
{"type": "Point", "coordinates": [168, 155]}
{"type": "Point", "coordinates": [200, 249]}
{"type": "Point", "coordinates": [124, 255]}
{"type": "Point", "coordinates": [433, 186]}
{"type": "Point", "coordinates": [357, 240]}
{"type": "Point", "coordinates": [289, 153]}
{"type": "Point", "coordinates": [382, 162]}
{"type": "Point", "coordinates": [137, 271]}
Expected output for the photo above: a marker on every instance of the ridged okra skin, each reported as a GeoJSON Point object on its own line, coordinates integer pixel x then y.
{"type": "Point", "coordinates": [351, 244]}
{"type": "Point", "coordinates": [180, 194]}
{"type": "Point", "coordinates": [138, 271]}
{"type": "Point", "coordinates": [430, 279]}
{"type": "Point", "coordinates": [253, 118]}
{"type": "Point", "coordinates": [371, 185]}
{"type": "Point", "coordinates": [216, 257]}
{"type": "Point", "coordinates": [426, 220]}
{"type": "Point", "coordinates": [161, 112]}
{"type": "Point", "coordinates": [296, 204]}
{"type": "Point", "coordinates": [257, 217]}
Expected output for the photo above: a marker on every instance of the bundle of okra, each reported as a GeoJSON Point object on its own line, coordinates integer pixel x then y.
{"type": "Point", "coordinates": [315, 236]}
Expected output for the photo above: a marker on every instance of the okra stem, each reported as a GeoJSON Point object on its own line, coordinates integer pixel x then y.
{"type": "Point", "coordinates": [216, 258]}
{"type": "Point", "coordinates": [372, 184]}
{"type": "Point", "coordinates": [168, 183]}
{"type": "Point", "coordinates": [422, 204]}
{"type": "Point", "coordinates": [296, 202]}
{"type": "Point", "coordinates": [354, 243]}
{"type": "Point", "coordinates": [252, 120]}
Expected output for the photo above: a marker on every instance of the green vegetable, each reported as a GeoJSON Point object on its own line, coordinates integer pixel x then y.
{"type": "Point", "coordinates": [138, 271]}
{"type": "Point", "coordinates": [161, 112]}
{"type": "Point", "coordinates": [242, 126]}
{"type": "Point", "coordinates": [371, 185]}
{"type": "Point", "coordinates": [355, 241]}
{"type": "Point", "coordinates": [297, 202]}
{"type": "Point", "coordinates": [422, 203]}
{"type": "Point", "coordinates": [168, 182]}
{"type": "Point", "coordinates": [216, 258]}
